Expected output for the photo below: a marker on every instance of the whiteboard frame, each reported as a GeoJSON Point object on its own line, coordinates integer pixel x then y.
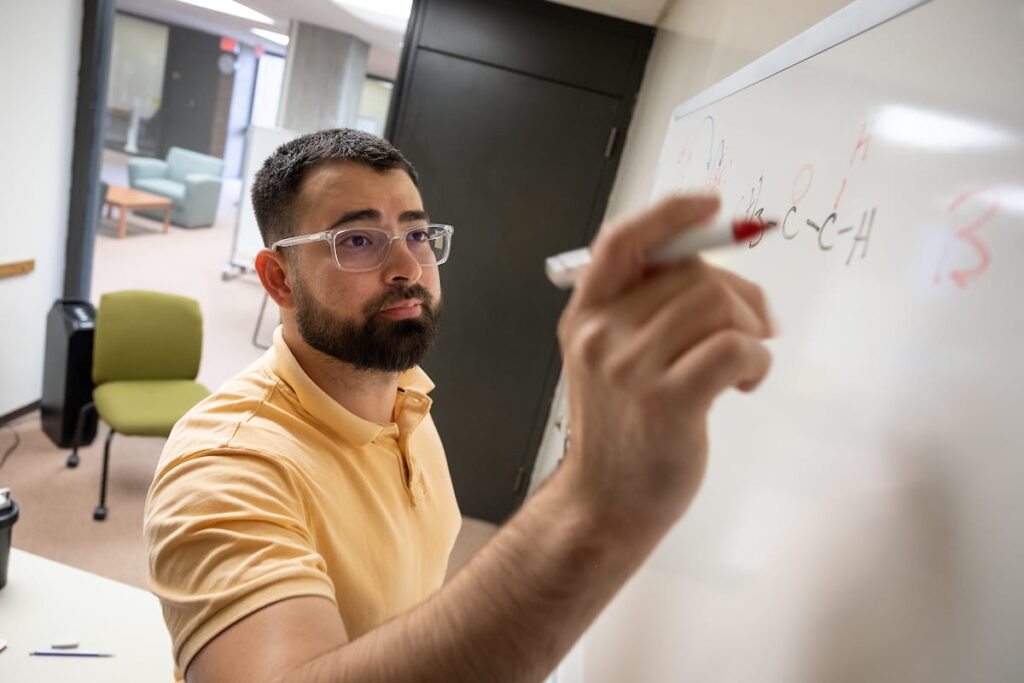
{"type": "Point", "coordinates": [255, 153]}
{"type": "Point", "coordinates": [856, 18]}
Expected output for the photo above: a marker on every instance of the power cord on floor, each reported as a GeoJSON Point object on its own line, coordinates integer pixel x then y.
{"type": "Point", "coordinates": [12, 447]}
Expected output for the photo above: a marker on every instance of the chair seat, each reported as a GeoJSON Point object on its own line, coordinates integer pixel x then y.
{"type": "Point", "coordinates": [171, 189]}
{"type": "Point", "coordinates": [146, 407]}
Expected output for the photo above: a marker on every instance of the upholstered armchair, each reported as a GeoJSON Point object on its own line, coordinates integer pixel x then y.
{"type": "Point", "coordinates": [189, 179]}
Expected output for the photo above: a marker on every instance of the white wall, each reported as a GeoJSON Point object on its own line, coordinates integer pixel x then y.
{"type": "Point", "coordinates": [39, 81]}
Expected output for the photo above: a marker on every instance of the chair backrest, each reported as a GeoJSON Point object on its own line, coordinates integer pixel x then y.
{"type": "Point", "coordinates": [181, 162]}
{"type": "Point", "coordinates": [146, 335]}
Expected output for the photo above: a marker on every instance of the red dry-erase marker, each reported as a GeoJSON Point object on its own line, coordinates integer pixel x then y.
{"type": "Point", "coordinates": [564, 268]}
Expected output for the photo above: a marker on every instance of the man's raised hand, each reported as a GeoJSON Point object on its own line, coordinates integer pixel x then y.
{"type": "Point", "coordinates": [646, 351]}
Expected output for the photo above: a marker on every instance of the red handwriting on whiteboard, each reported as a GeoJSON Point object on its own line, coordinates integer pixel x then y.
{"type": "Point", "coordinates": [969, 233]}
{"type": "Point", "coordinates": [802, 183]}
{"type": "Point", "coordinates": [711, 153]}
{"type": "Point", "coordinates": [862, 146]}
{"type": "Point", "coordinates": [715, 179]}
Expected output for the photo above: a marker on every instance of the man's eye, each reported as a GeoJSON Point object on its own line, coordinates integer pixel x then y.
{"type": "Point", "coordinates": [355, 241]}
{"type": "Point", "coordinates": [419, 236]}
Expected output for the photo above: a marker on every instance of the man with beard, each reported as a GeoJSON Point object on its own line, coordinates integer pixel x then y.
{"type": "Point", "coordinates": [301, 518]}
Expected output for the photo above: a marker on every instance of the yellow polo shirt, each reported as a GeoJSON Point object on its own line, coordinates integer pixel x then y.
{"type": "Point", "coordinates": [269, 489]}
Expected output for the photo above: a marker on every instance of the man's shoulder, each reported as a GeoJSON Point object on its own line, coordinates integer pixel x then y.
{"type": "Point", "coordinates": [253, 411]}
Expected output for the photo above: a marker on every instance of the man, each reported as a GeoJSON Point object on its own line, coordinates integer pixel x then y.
{"type": "Point", "coordinates": [300, 520]}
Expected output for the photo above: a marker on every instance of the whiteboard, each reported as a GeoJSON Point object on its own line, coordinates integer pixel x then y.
{"type": "Point", "coordinates": [862, 516]}
{"type": "Point", "coordinates": [260, 143]}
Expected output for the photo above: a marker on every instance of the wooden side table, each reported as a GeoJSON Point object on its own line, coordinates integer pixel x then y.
{"type": "Point", "coordinates": [127, 199]}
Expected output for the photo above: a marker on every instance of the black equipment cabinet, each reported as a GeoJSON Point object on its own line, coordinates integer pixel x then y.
{"type": "Point", "coordinates": [67, 371]}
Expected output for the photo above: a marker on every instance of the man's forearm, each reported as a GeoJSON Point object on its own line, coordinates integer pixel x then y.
{"type": "Point", "coordinates": [510, 615]}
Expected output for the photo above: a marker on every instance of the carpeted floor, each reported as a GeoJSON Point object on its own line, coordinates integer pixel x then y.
{"type": "Point", "coordinates": [57, 502]}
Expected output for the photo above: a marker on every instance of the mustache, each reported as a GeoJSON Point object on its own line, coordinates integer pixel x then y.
{"type": "Point", "coordinates": [400, 293]}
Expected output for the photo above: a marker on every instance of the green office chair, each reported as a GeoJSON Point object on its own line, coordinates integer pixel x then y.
{"type": "Point", "coordinates": [146, 354]}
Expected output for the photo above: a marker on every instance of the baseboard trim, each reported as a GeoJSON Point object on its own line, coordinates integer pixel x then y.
{"type": "Point", "coordinates": [24, 410]}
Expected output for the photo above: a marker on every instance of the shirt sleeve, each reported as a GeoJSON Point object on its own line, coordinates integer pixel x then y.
{"type": "Point", "coordinates": [227, 535]}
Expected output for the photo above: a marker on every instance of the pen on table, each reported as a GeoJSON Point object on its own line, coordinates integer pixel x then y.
{"type": "Point", "coordinates": [69, 653]}
{"type": "Point", "coordinates": [563, 269]}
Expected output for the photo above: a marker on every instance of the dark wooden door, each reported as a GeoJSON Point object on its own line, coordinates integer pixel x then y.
{"type": "Point", "coordinates": [521, 165]}
{"type": "Point", "coordinates": [192, 82]}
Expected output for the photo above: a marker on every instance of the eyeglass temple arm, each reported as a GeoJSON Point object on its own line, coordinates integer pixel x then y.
{"type": "Point", "coordinates": [301, 239]}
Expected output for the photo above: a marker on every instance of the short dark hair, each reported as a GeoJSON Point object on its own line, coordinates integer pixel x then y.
{"type": "Point", "coordinates": [276, 185]}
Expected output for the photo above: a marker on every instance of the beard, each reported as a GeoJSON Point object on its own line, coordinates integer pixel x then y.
{"type": "Point", "coordinates": [375, 343]}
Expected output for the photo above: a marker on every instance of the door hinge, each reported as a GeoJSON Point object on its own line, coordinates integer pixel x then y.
{"type": "Point", "coordinates": [520, 480]}
{"type": "Point", "coordinates": [610, 145]}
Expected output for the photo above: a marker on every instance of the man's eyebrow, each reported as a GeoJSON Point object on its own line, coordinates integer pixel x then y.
{"type": "Point", "coordinates": [375, 216]}
{"type": "Point", "coordinates": [409, 216]}
{"type": "Point", "coordinates": [358, 215]}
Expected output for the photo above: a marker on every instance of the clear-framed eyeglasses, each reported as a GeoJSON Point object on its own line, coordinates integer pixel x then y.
{"type": "Point", "coordinates": [357, 250]}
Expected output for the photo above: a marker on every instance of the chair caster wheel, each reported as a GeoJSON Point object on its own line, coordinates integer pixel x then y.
{"type": "Point", "coordinates": [73, 460]}
{"type": "Point", "coordinates": [99, 514]}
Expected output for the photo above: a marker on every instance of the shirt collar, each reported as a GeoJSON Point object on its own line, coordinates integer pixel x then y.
{"type": "Point", "coordinates": [414, 379]}
{"type": "Point", "coordinates": [352, 428]}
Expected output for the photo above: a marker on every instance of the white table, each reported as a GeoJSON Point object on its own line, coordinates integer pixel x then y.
{"type": "Point", "coordinates": [46, 600]}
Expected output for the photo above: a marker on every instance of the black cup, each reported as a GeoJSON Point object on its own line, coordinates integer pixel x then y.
{"type": "Point", "coordinates": [8, 516]}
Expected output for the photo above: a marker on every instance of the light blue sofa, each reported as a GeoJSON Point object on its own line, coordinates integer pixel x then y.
{"type": "Point", "coordinates": [189, 179]}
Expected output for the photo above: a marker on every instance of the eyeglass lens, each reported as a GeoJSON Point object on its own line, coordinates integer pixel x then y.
{"type": "Point", "coordinates": [364, 249]}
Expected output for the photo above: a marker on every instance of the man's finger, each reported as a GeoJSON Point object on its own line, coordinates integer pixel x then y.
{"type": "Point", "coordinates": [752, 295]}
{"type": "Point", "coordinates": [640, 304]}
{"type": "Point", "coordinates": [683, 322]}
{"type": "Point", "coordinates": [726, 359]}
{"type": "Point", "coordinates": [619, 255]}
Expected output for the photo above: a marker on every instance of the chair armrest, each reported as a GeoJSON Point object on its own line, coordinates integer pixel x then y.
{"type": "Point", "coordinates": [202, 194]}
{"type": "Point", "coordinates": [202, 187]}
{"type": "Point", "coordinates": [201, 179]}
{"type": "Point", "coordinates": [145, 167]}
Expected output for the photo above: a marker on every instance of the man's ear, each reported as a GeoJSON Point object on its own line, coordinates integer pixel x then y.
{"type": "Point", "coordinates": [272, 267]}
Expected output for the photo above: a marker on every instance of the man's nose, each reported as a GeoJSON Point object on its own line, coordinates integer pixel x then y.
{"type": "Point", "coordinates": [400, 263]}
